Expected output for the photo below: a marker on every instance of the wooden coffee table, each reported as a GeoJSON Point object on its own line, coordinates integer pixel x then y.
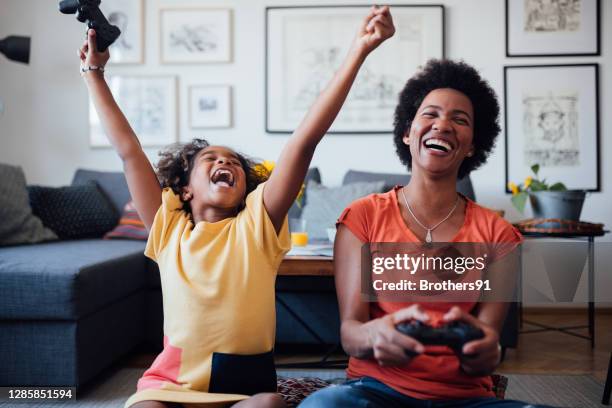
{"type": "Point", "coordinates": [301, 265]}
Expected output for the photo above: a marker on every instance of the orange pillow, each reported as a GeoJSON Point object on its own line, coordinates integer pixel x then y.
{"type": "Point", "coordinates": [130, 226]}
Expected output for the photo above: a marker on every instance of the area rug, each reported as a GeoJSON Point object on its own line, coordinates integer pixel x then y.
{"type": "Point", "coordinates": [572, 391]}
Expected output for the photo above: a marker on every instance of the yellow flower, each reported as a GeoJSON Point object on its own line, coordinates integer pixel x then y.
{"type": "Point", "coordinates": [528, 181]}
{"type": "Point", "coordinates": [513, 187]}
{"type": "Point", "coordinates": [264, 169]}
{"type": "Point", "coordinates": [298, 199]}
{"type": "Point", "coordinates": [268, 165]}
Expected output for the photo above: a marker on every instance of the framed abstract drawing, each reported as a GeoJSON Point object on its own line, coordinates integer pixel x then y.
{"type": "Point", "coordinates": [552, 119]}
{"type": "Point", "coordinates": [128, 16]}
{"type": "Point", "coordinates": [305, 46]}
{"type": "Point", "coordinates": [148, 103]}
{"type": "Point", "coordinates": [210, 106]}
{"type": "Point", "coordinates": [196, 35]}
{"type": "Point", "coordinates": [538, 28]}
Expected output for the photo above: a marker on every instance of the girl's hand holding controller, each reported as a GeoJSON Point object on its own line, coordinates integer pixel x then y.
{"type": "Point", "coordinates": [91, 59]}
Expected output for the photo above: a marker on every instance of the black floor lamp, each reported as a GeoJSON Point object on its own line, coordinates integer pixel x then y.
{"type": "Point", "coordinates": [16, 48]}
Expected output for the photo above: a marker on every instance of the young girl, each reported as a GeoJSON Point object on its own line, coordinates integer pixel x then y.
{"type": "Point", "coordinates": [218, 234]}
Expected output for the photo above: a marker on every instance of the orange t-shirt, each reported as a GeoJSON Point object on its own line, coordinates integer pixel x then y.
{"type": "Point", "coordinates": [436, 374]}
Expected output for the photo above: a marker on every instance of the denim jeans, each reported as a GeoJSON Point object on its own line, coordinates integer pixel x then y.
{"type": "Point", "coordinates": [371, 393]}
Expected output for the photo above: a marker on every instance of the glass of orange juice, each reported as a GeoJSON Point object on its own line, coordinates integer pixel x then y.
{"type": "Point", "coordinates": [299, 236]}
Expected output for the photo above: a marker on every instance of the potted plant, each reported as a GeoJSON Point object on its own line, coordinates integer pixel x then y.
{"type": "Point", "coordinates": [547, 201]}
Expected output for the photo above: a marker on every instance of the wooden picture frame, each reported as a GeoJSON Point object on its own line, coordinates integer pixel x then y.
{"type": "Point", "coordinates": [305, 45]}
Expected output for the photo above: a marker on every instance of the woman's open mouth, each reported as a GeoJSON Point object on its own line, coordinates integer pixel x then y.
{"type": "Point", "coordinates": [438, 147]}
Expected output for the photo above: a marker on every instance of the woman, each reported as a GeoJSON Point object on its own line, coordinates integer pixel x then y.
{"type": "Point", "coordinates": [445, 127]}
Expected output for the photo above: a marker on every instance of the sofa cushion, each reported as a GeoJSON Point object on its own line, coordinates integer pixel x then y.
{"type": "Point", "coordinates": [326, 204]}
{"type": "Point", "coordinates": [130, 226]}
{"type": "Point", "coordinates": [464, 186]}
{"type": "Point", "coordinates": [112, 184]}
{"type": "Point", "coordinates": [74, 212]}
{"type": "Point", "coordinates": [17, 223]}
{"type": "Point", "coordinates": [68, 279]}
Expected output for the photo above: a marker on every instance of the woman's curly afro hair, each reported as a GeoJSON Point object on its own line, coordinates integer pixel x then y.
{"type": "Point", "coordinates": [459, 76]}
{"type": "Point", "coordinates": [177, 160]}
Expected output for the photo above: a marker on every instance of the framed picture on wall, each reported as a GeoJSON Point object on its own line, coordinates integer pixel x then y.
{"type": "Point", "coordinates": [537, 28]}
{"type": "Point", "coordinates": [149, 104]}
{"type": "Point", "coordinates": [305, 46]}
{"type": "Point", "coordinates": [195, 35]}
{"type": "Point", "coordinates": [210, 106]}
{"type": "Point", "coordinates": [128, 16]}
{"type": "Point", "coordinates": [552, 119]}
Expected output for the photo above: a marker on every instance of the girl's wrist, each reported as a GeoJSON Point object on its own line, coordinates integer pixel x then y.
{"type": "Point", "coordinates": [359, 52]}
{"type": "Point", "coordinates": [85, 68]}
{"type": "Point", "coordinates": [92, 75]}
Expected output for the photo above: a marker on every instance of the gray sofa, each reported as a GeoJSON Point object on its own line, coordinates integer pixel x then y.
{"type": "Point", "coordinates": [69, 309]}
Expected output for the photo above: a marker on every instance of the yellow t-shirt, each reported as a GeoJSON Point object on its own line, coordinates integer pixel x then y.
{"type": "Point", "coordinates": [217, 282]}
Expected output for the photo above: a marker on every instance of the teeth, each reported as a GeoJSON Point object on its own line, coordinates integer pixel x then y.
{"type": "Point", "coordinates": [217, 174]}
{"type": "Point", "coordinates": [440, 143]}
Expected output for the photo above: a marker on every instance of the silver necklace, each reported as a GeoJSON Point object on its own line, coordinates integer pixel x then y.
{"type": "Point", "coordinates": [428, 237]}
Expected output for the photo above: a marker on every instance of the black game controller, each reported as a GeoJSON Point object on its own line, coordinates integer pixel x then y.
{"type": "Point", "coordinates": [453, 335]}
{"type": "Point", "coordinates": [89, 11]}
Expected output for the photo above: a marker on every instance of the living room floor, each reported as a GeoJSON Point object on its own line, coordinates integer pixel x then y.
{"type": "Point", "coordinates": [537, 353]}
{"type": "Point", "coordinates": [557, 353]}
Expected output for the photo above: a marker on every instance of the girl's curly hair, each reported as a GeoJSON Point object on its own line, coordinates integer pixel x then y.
{"type": "Point", "coordinates": [176, 163]}
{"type": "Point", "coordinates": [459, 76]}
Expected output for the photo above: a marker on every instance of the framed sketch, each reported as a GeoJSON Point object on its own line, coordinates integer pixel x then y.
{"type": "Point", "coordinates": [552, 119]}
{"type": "Point", "coordinates": [195, 35]}
{"type": "Point", "coordinates": [305, 46]}
{"type": "Point", "coordinates": [128, 16]}
{"type": "Point", "coordinates": [210, 106]}
{"type": "Point", "coordinates": [537, 28]}
{"type": "Point", "coordinates": [148, 103]}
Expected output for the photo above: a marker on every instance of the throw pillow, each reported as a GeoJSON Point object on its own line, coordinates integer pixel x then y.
{"type": "Point", "coordinates": [17, 223]}
{"type": "Point", "coordinates": [326, 204]}
{"type": "Point", "coordinates": [130, 226]}
{"type": "Point", "coordinates": [295, 390]}
{"type": "Point", "coordinates": [74, 212]}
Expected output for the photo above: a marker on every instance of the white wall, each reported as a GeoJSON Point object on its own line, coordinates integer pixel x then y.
{"type": "Point", "coordinates": [45, 126]}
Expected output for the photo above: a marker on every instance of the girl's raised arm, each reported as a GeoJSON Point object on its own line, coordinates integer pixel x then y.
{"type": "Point", "coordinates": [287, 178]}
{"type": "Point", "coordinates": [142, 181]}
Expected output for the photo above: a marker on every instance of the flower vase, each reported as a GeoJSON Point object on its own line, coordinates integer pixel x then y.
{"type": "Point", "coordinates": [565, 205]}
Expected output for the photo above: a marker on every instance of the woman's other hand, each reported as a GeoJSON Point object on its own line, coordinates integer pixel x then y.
{"type": "Point", "coordinates": [88, 53]}
{"type": "Point", "coordinates": [375, 28]}
{"type": "Point", "coordinates": [480, 357]}
{"type": "Point", "coordinates": [389, 346]}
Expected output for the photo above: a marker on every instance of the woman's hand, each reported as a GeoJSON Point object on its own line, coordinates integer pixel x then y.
{"type": "Point", "coordinates": [376, 27]}
{"type": "Point", "coordinates": [389, 346]}
{"type": "Point", "coordinates": [88, 53]}
{"type": "Point", "coordinates": [480, 357]}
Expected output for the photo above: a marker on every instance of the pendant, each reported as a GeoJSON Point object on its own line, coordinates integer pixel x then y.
{"type": "Point", "coordinates": [428, 236]}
